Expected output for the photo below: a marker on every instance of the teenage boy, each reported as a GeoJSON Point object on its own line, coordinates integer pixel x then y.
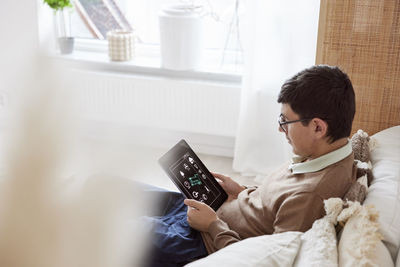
{"type": "Point", "coordinates": [317, 110]}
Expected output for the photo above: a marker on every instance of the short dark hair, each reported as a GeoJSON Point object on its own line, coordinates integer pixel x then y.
{"type": "Point", "coordinates": [323, 92]}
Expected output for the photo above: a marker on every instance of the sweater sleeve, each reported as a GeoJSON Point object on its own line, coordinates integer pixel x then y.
{"type": "Point", "coordinates": [298, 212]}
{"type": "Point", "coordinates": [222, 235]}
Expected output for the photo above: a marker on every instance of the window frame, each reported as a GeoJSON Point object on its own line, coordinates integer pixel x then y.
{"type": "Point", "coordinates": [92, 54]}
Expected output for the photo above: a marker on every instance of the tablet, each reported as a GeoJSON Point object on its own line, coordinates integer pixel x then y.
{"type": "Point", "coordinates": [191, 176]}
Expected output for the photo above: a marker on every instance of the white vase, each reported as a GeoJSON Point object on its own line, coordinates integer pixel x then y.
{"type": "Point", "coordinates": [181, 37]}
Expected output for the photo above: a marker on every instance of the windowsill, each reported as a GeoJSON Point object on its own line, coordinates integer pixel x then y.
{"type": "Point", "coordinates": [93, 55]}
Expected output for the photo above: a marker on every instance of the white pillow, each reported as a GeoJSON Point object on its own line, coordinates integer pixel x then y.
{"type": "Point", "coordinates": [398, 260]}
{"type": "Point", "coordinates": [382, 257]}
{"type": "Point", "coordinates": [268, 250]}
{"type": "Point", "coordinates": [318, 245]}
{"type": "Point", "coordinates": [360, 243]}
{"type": "Point", "coordinates": [384, 192]}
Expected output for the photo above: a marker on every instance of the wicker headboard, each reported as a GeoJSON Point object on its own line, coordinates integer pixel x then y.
{"type": "Point", "coordinates": [362, 37]}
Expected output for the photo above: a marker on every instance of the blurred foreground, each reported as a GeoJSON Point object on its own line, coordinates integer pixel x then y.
{"type": "Point", "coordinates": [47, 219]}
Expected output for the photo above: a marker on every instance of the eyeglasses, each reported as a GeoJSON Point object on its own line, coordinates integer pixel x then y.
{"type": "Point", "coordinates": [284, 124]}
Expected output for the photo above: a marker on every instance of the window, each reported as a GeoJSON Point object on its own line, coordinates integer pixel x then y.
{"type": "Point", "coordinates": [93, 18]}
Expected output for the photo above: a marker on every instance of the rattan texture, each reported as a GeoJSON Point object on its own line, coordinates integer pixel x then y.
{"type": "Point", "coordinates": [362, 37]}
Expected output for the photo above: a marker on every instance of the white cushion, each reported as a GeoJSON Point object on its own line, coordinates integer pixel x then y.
{"type": "Point", "coordinates": [381, 256]}
{"type": "Point", "coordinates": [384, 192]}
{"type": "Point", "coordinates": [360, 243]}
{"type": "Point", "coordinates": [398, 260]}
{"type": "Point", "coordinates": [318, 245]}
{"type": "Point", "coordinates": [317, 249]}
{"type": "Point", "coordinates": [268, 250]}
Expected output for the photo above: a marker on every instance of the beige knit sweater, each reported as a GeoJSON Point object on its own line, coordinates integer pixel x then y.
{"type": "Point", "coordinates": [284, 202]}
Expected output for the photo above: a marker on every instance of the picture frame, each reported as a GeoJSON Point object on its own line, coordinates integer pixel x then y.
{"type": "Point", "coordinates": [101, 16]}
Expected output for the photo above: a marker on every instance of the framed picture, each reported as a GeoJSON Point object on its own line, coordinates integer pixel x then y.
{"type": "Point", "coordinates": [101, 16]}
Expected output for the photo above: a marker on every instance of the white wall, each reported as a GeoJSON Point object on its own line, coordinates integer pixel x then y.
{"type": "Point", "coordinates": [19, 37]}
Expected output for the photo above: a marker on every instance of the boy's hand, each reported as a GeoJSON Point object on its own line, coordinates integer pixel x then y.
{"type": "Point", "coordinates": [231, 187]}
{"type": "Point", "coordinates": [199, 215]}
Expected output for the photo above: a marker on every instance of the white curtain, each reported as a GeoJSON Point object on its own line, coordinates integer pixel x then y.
{"type": "Point", "coordinates": [279, 39]}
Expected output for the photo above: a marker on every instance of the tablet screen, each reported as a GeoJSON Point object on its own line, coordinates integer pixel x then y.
{"type": "Point", "coordinates": [191, 176]}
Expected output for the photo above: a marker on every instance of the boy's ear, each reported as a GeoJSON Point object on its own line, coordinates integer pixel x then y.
{"type": "Point", "coordinates": [320, 127]}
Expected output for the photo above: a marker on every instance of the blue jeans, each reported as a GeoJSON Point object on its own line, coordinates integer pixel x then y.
{"type": "Point", "coordinates": [174, 242]}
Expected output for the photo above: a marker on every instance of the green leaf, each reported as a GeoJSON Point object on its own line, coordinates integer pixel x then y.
{"type": "Point", "coordinates": [58, 4]}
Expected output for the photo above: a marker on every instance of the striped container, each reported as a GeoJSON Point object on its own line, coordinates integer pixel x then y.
{"type": "Point", "coordinates": [121, 45]}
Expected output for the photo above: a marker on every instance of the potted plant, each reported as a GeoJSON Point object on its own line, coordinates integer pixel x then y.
{"type": "Point", "coordinates": [62, 24]}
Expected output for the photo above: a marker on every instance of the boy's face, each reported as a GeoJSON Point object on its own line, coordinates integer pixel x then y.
{"type": "Point", "coordinates": [300, 137]}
